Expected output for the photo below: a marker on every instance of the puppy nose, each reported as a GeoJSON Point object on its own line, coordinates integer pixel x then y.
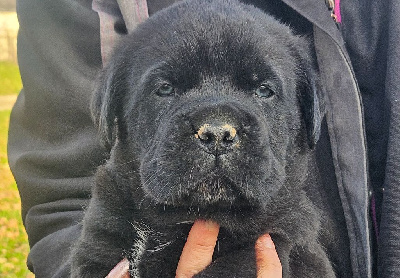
{"type": "Point", "coordinates": [217, 139]}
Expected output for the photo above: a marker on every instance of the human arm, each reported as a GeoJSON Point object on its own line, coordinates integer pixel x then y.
{"type": "Point", "coordinates": [53, 147]}
{"type": "Point", "coordinates": [199, 248]}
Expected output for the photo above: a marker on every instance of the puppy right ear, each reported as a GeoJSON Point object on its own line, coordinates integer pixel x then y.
{"type": "Point", "coordinates": [309, 91]}
{"type": "Point", "coordinates": [104, 105]}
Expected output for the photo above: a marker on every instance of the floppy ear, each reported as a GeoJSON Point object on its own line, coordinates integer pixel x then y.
{"type": "Point", "coordinates": [311, 103]}
{"type": "Point", "coordinates": [104, 105]}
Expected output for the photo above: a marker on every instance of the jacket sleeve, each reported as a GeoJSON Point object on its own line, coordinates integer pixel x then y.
{"type": "Point", "coordinates": [53, 147]}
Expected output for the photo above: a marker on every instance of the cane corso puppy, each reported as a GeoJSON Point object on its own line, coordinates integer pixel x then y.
{"type": "Point", "coordinates": [212, 110]}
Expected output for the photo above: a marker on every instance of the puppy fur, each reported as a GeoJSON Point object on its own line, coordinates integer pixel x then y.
{"type": "Point", "coordinates": [212, 110]}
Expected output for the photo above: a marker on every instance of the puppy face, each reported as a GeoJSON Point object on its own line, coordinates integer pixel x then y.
{"type": "Point", "coordinates": [218, 103]}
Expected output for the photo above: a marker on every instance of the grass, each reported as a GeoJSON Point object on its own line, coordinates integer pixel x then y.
{"type": "Point", "coordinates": [14, 246]}
{"type": "Point", "coordinates": [10, 79]}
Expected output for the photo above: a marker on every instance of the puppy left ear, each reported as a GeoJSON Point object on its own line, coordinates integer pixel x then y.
{"type": "Point", "coordinates": [311, 102]}
{"type": "Point", "coordinates": [105, 105]}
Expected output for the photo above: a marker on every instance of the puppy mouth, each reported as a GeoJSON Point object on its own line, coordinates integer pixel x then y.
{"type": "Point", "coordinates": [215, 197]}
{"type": "Point", "coordinates": [215, 188]}
{"type": "Point", "coordinates": [221, 212]}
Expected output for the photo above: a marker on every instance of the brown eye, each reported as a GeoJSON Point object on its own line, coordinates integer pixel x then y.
{"type": "Point", "coordinates": [264, 91]}
{"type": "Point", "coordinates": [166, 89]}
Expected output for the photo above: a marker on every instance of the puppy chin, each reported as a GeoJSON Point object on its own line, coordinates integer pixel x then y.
{"type": "Point", "coordinates": [232, 216]}
{"type": "Point", "coordinates": [214, 199]}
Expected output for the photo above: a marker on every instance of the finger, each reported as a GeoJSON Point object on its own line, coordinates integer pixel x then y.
{"type": "Point", "coordinates": [121, 270]}
{"type": "Point", "coordinates": [268, 263]}
{"type": "Point", "coordinates": [199, 248]}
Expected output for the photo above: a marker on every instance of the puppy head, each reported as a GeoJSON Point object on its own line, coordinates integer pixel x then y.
{"type": "Point", "coordinates": [219, 104]}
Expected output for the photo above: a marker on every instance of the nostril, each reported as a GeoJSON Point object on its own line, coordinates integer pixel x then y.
{"type": "Point", "coordinates": [230, 134]}
{"type": "Point", "coordinates": [203, 134]}
{"type": "Point", "coordinates": [206, 137]}
{"type": "Point", "coordinates": [228, 137]}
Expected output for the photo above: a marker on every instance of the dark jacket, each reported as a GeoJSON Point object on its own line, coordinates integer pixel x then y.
{"type": "Point", "coordinates": [54, 149]}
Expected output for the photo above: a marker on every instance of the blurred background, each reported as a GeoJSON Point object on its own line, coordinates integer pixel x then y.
{"type": "Point", "coordinates": [14, 246]}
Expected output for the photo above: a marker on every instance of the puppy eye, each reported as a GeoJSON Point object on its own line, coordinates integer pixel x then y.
{"type": "Point", "coordinates": [264, 91]}
{"type": "Point", "coordinates": [166, 89]}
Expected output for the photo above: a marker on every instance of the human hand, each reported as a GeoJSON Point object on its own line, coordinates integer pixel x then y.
{"type": "Point", "coordinates": [196, 255]}
{"type": "Point", "coordinates": [199, 248]}
{"type": "Point", "coordinates": [268, 263]}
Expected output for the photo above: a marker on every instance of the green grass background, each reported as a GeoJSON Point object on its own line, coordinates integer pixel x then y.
{"type": "Point", "coordinates": [10, 80]}
{"type": "Point", "coordinates": [14, 246]}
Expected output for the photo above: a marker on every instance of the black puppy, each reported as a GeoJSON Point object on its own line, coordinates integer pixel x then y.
{"type": "Point", "coordinates": [212, 112]}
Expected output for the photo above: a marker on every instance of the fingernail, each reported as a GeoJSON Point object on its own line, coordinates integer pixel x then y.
{"type": "Point", "coordinates": [211, 225]}
{"type": "Point", "coordinates": [266, 241]}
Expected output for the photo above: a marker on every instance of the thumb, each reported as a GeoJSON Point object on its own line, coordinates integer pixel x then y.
{"type": "Point", "coordinates": [199, 248]}
{"type": "Point", "coordinates": [268, 263]}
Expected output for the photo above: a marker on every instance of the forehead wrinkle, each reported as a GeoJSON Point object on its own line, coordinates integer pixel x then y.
{"type": "Point", "coordinates": [197, 58]}
{"type": "Point", "coordinates": [155, 70]}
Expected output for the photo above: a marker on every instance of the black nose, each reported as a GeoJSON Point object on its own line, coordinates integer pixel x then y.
{"type": "Point", "coordinates": [217, 139]}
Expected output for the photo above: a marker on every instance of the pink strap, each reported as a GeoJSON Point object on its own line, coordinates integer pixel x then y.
{"type": "Point", "coordinates": [132, 12]}
{"type": "Point", "coordinates": [337, 11]}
